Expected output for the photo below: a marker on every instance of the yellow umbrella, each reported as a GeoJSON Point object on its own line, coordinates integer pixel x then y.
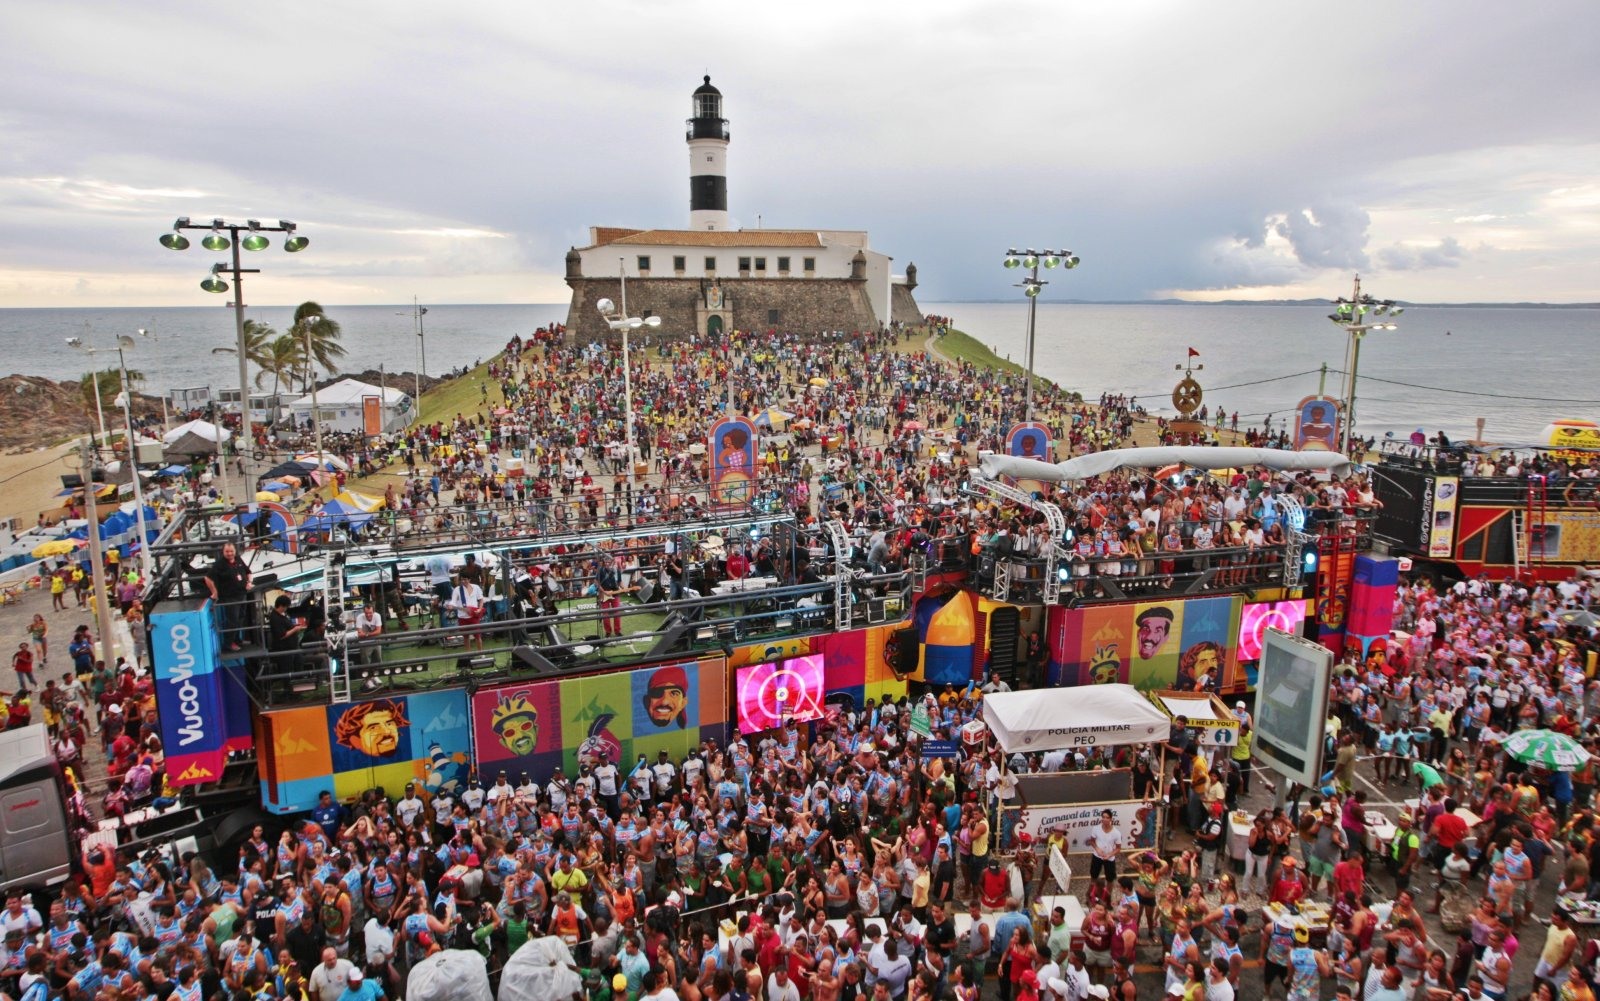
{"type": "Point", "coordinates": [267, 495]}
{"type": "Point", "coordinates": [55, 547]}
{"type": "Point", "coordinates": [818, 381]}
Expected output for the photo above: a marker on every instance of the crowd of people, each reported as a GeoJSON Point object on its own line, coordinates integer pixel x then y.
{"type": "Point", "coordinates": [832, 861]}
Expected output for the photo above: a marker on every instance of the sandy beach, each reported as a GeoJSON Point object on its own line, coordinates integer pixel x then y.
{"type": "Point", "coordinates": [30, 480]}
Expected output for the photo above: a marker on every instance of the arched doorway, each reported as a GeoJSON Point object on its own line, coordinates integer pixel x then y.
{"type": "Point", "coordinates": [713, 325]}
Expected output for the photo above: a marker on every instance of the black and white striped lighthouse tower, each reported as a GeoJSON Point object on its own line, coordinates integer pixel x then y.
{"type": "Point", "coordinates": [708, 160]}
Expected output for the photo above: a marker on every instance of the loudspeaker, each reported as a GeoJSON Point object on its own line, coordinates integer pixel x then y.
{"type": "Point", "coordinates": [477, 662]}
{"type": "Point", "coordinates": [527, 659]}
{"type": "Point", "coordinates": [902, 647]}
{"type": "Point", "coordinates": [672, 631]}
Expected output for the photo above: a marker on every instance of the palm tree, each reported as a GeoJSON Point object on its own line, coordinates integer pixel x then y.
{"type": "Point", "coordinates": [311, 322]}
{"type": "Point", "coordinates": [281, 359]}
{"type": "Point", "coordinates": [258, 339]}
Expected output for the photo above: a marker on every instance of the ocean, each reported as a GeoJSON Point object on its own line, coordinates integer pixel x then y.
{"type": "Point", "coordinates": [1442, 369]}
{"type": "Point", "coordinates": [1445, 367]}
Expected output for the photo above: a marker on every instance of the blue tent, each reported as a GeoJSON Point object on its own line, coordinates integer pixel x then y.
{"type": "Point", "coordinates": [335, 514]}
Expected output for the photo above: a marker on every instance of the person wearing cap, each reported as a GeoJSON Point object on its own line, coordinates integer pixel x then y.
{"type": "Point", "coordinates": [1403, 851]}
{"type": "Point", "coordinates": [1288, 888]}
{"type": "Point", "coordinates": [1307, 967]}
{"type": "Point", "coordinates": [361, 989]}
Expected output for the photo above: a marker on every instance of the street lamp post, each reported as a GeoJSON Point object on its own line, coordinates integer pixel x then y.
{"type": "Point", "coordinates": [1031, 285]}
{"type": "Point", "coordinates": [125, 398]}
{"type": "Point", "coordinates": [417, 313]}
{"type": "Point", "coordinates": [311, 374]}
{"type": "Point", "coordinates": [422, 355]}
{"type": "Point", "coordinates": [1351, 316]}
{"type": "Point", "coordinates": [619, 320]}
{"type": "Point", "coordinates": [254, 239]}
{"type": "Point", "coordinates": [97, 563]}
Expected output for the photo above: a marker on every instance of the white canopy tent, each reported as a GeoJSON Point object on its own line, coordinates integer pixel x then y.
{"type": "Point", "coordinates": [340, 406]}
{"type": "Point", "coordinates": [995, 465]}
{"type": "Point", "coordinates": [202, 429]}
{"type": "Point", "coordinates": [1078, 717]}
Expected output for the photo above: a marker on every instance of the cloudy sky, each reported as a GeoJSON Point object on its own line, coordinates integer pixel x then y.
{"type": "Point", "coordinates": [1450, 151]}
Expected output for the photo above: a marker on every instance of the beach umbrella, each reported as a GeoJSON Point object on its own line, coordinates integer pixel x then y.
{"type": "Point", "coordinates": [276, 486]}
{"type": "Point", "coordinates": [1580, 617]}
{"type": "Point", "coordinates": [55, 547]}
{"type": "Point", "coordinates": [267, 495]}
{"type": "Point", "coordinates": [818, 380]}
{"type": "Point", "coordinates": [1551, 751]}
{"type": "Point", "coordinates": [914, 425]}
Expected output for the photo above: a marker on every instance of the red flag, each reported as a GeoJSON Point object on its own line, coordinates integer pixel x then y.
{"type": "Point", "coordinates": [1193, 353]}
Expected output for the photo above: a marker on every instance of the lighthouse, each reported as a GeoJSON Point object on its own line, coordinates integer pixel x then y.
{"type": "Point", "coordinates": [707, 135]}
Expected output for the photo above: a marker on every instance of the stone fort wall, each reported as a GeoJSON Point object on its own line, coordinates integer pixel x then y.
{"type": "Point", "coordinates": [794, 304]}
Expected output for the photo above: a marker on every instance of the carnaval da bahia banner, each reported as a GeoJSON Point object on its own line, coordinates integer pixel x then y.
{"type": "Point", "coordinates": [1136, 819]}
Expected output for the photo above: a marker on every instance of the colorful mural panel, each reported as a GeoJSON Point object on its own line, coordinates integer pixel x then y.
{"type": "Point", "coordinates": [1186, 644]}
{"type": "Point", "coordinates": [346, 749]}
{"type": "Point", "coordinates": [539, 726]}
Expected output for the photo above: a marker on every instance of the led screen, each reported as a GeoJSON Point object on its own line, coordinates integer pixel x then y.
{"type": "Point", "coordinates": [1289, 616]}
{"type": "Point", "coordinates": [770, 694]}
{"type": "Point", "coordinates": [1291, 704]}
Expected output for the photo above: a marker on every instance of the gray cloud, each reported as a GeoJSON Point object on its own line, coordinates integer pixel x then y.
{"type": "Point", "coordinates": [1327, 235]}
{"type": "Point", "coordinates": [1447, 253]}
{"type": "Point", "coordinates": [947, 129]}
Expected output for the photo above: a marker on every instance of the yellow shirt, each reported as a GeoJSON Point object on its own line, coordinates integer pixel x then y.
{"type": "Point", "coordinates": [980, 841]}
{"type": "Point", "coordinates": [1241, 749]}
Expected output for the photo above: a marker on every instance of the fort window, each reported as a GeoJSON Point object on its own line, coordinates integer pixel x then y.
{"type": "Point", "coordinates": [678, 264]}
{"type": "Point", "coordinates": [783, 264]}
{"type": "Point", "coordinates": [644, 262]}
{"type": "Point", "coordinates": [810, 263]}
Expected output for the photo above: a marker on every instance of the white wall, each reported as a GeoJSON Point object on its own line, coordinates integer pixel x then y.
{"type": "Point", "coordinates": [833, 260]}
{"type": "Point", "coordinates": [879, 267]}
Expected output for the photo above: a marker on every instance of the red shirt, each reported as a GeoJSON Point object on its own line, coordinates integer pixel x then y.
{"type": "Point", "coordinates": [1286, 891]}
{"type": "Point", "coordinates": [1349, 876]}
{"type": "Point", "coordinates": [1447, 830]}
{"type": "Point", "coordinates": [996, 886]}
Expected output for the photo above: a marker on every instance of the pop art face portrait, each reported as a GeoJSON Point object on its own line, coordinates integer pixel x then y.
{"type": "Point", "coordinates": [373, 728]}
{"type": "Point", "coordinates": [665, 701]}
